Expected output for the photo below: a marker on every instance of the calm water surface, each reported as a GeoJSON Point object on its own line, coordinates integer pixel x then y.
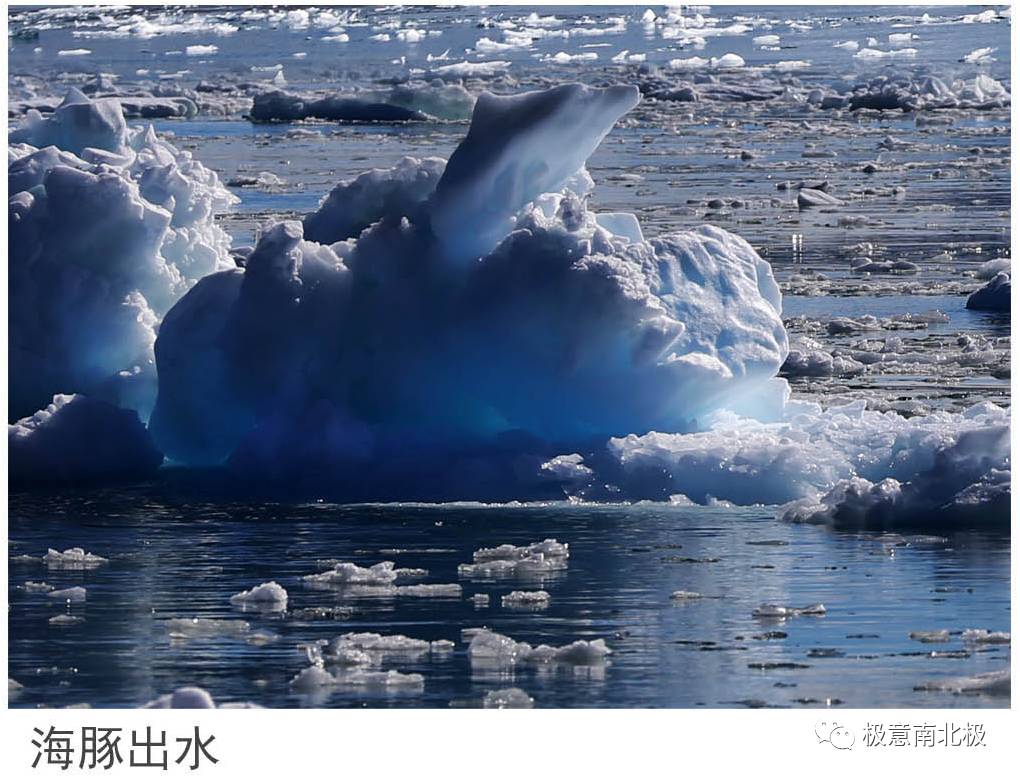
{"type": "Point", "coordinates": [171, 559]}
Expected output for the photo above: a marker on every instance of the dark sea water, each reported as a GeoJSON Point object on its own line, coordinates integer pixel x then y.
{"type": "Point", "coordinates": [170, 558]}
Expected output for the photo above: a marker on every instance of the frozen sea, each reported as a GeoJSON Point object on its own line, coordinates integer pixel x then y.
{"type": "Point", "coordinates": [937, 197]}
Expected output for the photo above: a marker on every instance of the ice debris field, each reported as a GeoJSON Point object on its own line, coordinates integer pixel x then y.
{"type": "Point", "coordinates": [702, 260]}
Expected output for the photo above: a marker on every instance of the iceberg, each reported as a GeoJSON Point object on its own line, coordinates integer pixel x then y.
{"type": "Point", "coordinates": [463, 321]}
{"type": "Point", "coordinates": [468, 328]}
{"type": "Point", "coordinates": [434, 316]}
{"type": "Point", "coordinates": [109, 226]}
{"type": "Point", "coordinates": [79, 440]}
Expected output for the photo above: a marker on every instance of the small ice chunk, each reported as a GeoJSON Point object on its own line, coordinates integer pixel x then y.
{"type": "Point", "coordinates": [387, 680]}
{"type": "Point", "coordinates": [66, 620]}
{"type": "Point", "coordinates": [37, 587]}
{"type": "Point", "coordinates": [507, 699]}
{"type": "Point", "coordinates": [480, 600]}
{"type": "Point", "coordinates": [982, 636]}
{"type": "Point", "coordinates": [442, 646]}
{"type": "Point", "coordinates": [430, 591]}
{"type": "Point", "coordinates": [72, 558]}
{"type": "Point", "coordinates": [186, 698]}
{"type": "Point", "coordinates": [808, 198]}
{"type": "Point", "coordinates": [351, 574]}
{"type": "Point", "coordinates": [77, 593]}
{"type": "Point", "coordinates": [376, 644]}
{"type": "Point", "coordinates": [777, 611]}
{"type": "Point", "coordinates": [509, 560]}
{"type": "Point", "coordinates": [930, 636]}
{"type": "Point", "coordinates": [192, 628]}
{"type": "Point", "coordinates": [14, 688]}
{"type": "Point", "coordinates": [991, 683]}
{"type": "Point", "coordinates": [200, 50]}
{"type": "Point", "coordinates": [487, 648]}
{"type": "Point", "coordinates": [526, 599]}
{"type": "Point", "coordinates": [981, 56]}
{"type": "Point", "coordinates": [311, 679]}
{"type": "Point", "coordinates": [550, 548]}
{"type": "Point", "coordinates": [268, 595]}
{"type": "Point", "coordinates": [685, 595]}
{"type": "Point", "coordinates": [578, 653]}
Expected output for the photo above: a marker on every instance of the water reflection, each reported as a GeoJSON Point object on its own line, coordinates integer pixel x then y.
{"type": "Point", "coordinates": [182, 561]}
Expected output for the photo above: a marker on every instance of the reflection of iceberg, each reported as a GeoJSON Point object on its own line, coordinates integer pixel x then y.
{"type": "Point", "coordinates": [489, 317]}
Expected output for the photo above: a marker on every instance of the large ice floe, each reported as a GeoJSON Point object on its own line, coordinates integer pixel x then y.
{"type": "Point", "coordinates": [109, 226]}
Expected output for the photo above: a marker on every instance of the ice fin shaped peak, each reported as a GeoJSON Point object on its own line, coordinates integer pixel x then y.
{"type": "Point", "coordinates": [74, 97]}
{"type": "Point", "coordinates": [517, 148]}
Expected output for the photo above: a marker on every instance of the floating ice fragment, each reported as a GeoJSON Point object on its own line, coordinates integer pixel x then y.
{"type": "Point", "coordinates": [72, 558]}
{"type": "Point", "coordinates": [312, 679]}
{"type": "Point", "coordinates": [878, 54]}
{"type": "Point", "coordinates": [269, 595]}
{"type": "Point", "coordinates": [37, 587]}
{"type": "Point", "coordinates": [480, 600]}
{"type": "Point", "coordinates": [278, 105]}
{"type": "Point", "coordinates": [549, 548]}
{"type": "Point", "coordinates": [472, 69]}
{"type": "Point", "coordinates": [388, 680]}
{"type": "Point", "coordinates": [685, 595]}
{"type": "Point", "coordinates": [981, 56]}
{"type": "Point", "coordinates": [507, 699]}
{"type": "Point", "coordinates": [375, 645]}
{"type": "Point", "coordinates": [77, 593]}
{"type": "Point", "coordinates": [579, 653]}
{"type": "Point", "coordinates": [526, 599]}
{"type": "Point", "coordinates": [930, 636]}
{"type": "Point", "coordinates": [991, 683]}
{"type": "Point", "coordinates": [536, 565]}
{"type": "Point", "coordinates": [727, 61]}
{"type": "Point", "coordinates": [194, 628]}
{"type": "Point", "coordinates": [982, 636]}
{"type": "Point", "coordinates": [66, 620]}
{"type": "Point", "coordinates": [777, 611]}
{"type": "Point", "coordinates": [351, 574]}
{"type": "Point", "coordinates": [488, 648]}
{"type": "Point", "coordinates": [201, 50]}
{"type": "Point", "coordinates": [187, 698]}
{"type": "Point", "coordinates": [430, 591]}
{"type": "Point", "coordinates": [809, 198]}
